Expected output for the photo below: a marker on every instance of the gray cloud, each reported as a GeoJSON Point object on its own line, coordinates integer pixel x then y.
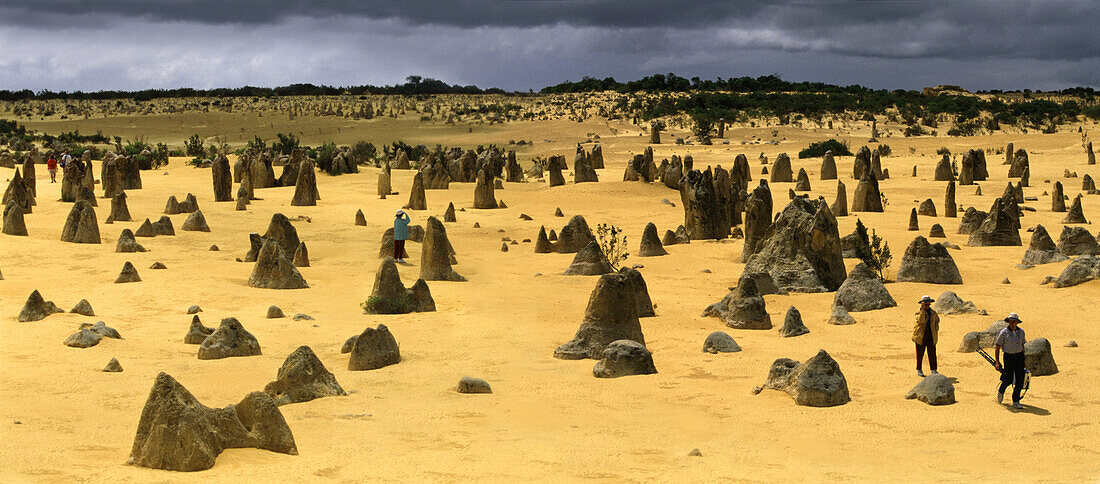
{"type": "Point", "coordinates": [135, 44]}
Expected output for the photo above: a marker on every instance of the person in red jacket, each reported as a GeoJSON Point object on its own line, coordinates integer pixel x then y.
{"type": "Point", "coordinates": [51, 165]}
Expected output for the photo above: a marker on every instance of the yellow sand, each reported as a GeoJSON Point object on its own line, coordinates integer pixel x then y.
{"type": "Point", "coordinates": [548, 419]}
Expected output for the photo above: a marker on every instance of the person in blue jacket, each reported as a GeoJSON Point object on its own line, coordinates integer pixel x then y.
{"type": "Point", "coordinates": [400, 234]}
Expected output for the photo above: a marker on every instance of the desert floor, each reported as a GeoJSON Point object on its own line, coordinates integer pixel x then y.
{"type": "Point", "coordinates": [63, 420]}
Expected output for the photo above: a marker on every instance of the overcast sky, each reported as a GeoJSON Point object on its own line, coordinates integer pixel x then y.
{"type": "Point", "coordinates": [520, 44]}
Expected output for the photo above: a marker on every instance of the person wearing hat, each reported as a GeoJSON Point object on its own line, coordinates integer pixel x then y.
{"type": "Point", "coordinates": [1011, 340]}
{"type": "Point", "coordinates": [400, 233]}
{"type": "Point", "coordinates": [926, 333]}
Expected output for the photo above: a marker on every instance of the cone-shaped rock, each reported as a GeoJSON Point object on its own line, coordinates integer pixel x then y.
{"type": "Point", "coordinates": [80, 226]}
{"type": "Point", "coordinates": [574, 236]}
{"type": "Point", "coordinates": [417, 201]}
{"type": "Point", "coordinates": [17, 192]}
{"type": "Point", "coordinates": [944, 172]}
{"type": "Point", "coordinates": [195, 222]}
{"type": "Point", "coordinates": [802, 183]}
{"type": "Point", "coordinates": [1041, 249]}
{"type": "Point", "coordinates": [1076, 214]}
{"type": "Point", "coordinates": [971, 220]}
{"type": "Point", "coordinates": [1000, 227]}
{"type": "Point", "coordinates": [303, 378]}
{"type": "Point", "coordinates": [742, 308]}
{"type": "Point", "coordinates": [758, 220]}
{"type": "Point", "coordinates": [816, 383]}
{"type": "Point", "coordinates": [435, 256]}
{"type": "Point", "coordinates": [867, 197]}
{"type": "Point", "coordinates": [840, 205]}
{"type": "Point", "coordinates": [83, 308]}
{"type": "Point", "coordinates": [197, 333]}
{"type": "Point", "coordinates": [781, 170]}
{"type": "Point", "coordinates": [283, 232]}
{"type": "Point", "coordinates": [840, 316]}
{"type": "Point", "coordinates": [913, 224]}
{"type": "Point", "coordinates": [172, 206]}
{"type": "Point", "coordinates": [950, 209]}
{"type": "Point", "coordinates": [611, 315]}
{"type": "Point", "coordinates": [449, 215]}
{"type": "Point", "coordinates": [927, 208]}
{"type": "Point", "coordinates": [1057, 198]}
{"type": "Point", "coordinates": [301, 256]}
{"type": "Point", "coordinates": [273, 270]}
{"type": "Point", "coordinates": [360, 219]}
{"type": "Point", "coordinates": [389, 295]}
{"type": "Point", "coordinates": [119, 211]}
{"type": "Point", "coordinates": [129, 274]}
{"type": "Point", "coordinates": [13, 220]}
{"type": "Point", "coordinates": [127, 243]}
{"type": "Point", "coordinates": [146, 230]}
{"type": "Point", "coordinates": [589, 261]}
{"type": "Point", "coordinates": [163, 226]}
{"type": "Point", "coordinates": [651, 244]}
{"type": "Point", "coordinates": [373, 349]}
{"type": "Point", "coordinates": [229, 340]}
{"type": "Point", "coordinates": [178, 433]}
{"type": "Point", "coordinates": [929, 263]}
{"type": "Point", "coordinates": [792, 324]}
{"type": "Point", "coordinates": [113, 366]}
{"type": "Point", "coordinates": [189, 204]}
{"type": "Point", "coordinates": [36, 308]}
{"type": "Point", "coordinates": [305, 187]}
{"type": "Point", "coordinates": [936, 232]}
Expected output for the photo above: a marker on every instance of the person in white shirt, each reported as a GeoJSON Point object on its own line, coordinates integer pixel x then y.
{"type": "Point", "coordinates": [1011, 340]}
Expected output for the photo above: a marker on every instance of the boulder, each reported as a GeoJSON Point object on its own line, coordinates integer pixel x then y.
{"type": "Point", "coordinates": [951, 303]}
{"type": "Point", "coordinates": [781, 170]}
{"type": "Point", "coordinates": [928, 263]}
{"type": "Point", "coordinates": [468, 384]}
{"type": "Point", "coordinates": [589, 261]}
{"type": "Point", "coordinates": [275, 312]}
{"type": "Point", "coordinates": [792, 324]}
{"type": "Point", "coordinates": [574, 236]}
{"type": "Point", "coordinates": [624, 357]}
{"type": "Point", "coordinates": [1038, 358]}
{"type": "Point", "coordinates": [1041, 249]}
{"type": "Point", "coordinates": [178, 433]}
{"type": "Point", "coordinates": [802, 249]}
{"type": "Point", "coordinates": [934, 389]}
{"type": "Point", "coordinates": [1083, 269]}
{"type": "Point", "coordinates": [816, 383]}
{"type": "Point", "coordinates": [360, 219]}
{"type": "Point", "coordinates": [303, 378]}
{"type": "Point", "coordinates": [863, 291]}
{"type": "Point", "coordinates": [720, 342]}
{"type": "Point", "coordinates": [163, 226]}
{"type": "Point", "coordinates": [936, 232]}
{"type": "Point", "coordinates": [374, 348]}
{"type": "Point", "coordinates": [611, 315]}
{"type": "Point", "coordinates": [742, 308]}
{"type": "Point", "coordinates": [229, 340]}
{"type": "Point", "coordinates": [1076, 241]}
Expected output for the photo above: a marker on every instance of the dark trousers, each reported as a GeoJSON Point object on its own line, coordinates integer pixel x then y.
{"type": "Point", "coordinates": [1013, 374]}
{"type": "Point", "coordinates": [398, 249]}
{"type": "Point", "coordinates": [931, 347]}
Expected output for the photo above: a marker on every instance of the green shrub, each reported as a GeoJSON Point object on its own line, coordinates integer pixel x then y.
{"type": "Point", "coordinates": [286, 145]}
{"type": "Point", "coordinates": [914, 130]}
{"type": "Point", "coordinates": [324, 156]}
{"type": "Point", "coordinates": [943, 151]}
{"type": "Point", "coordinates": [194, 146]}
{"type": "Point", "coordinates": [612, 243]}
{"type": "Point", "coordinates": [819, 148]}
{"type": "Point", "coordinates": [257, 144]}
{"type": "Point", "coordinates": [872, 250]}
{"type": "Point", "coordinates": [884, 150]}
{"type": "Point", "coordinates": [363, 152]}
{"type": "Point", "coordinates": [386, 305]}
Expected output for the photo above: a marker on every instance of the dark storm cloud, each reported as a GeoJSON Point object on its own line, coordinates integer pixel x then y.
{"type": "Point", "coordinates": [131, 44]}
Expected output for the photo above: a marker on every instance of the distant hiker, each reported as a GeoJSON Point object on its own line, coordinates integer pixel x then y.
{"type": "Point", "coordinates": [51, 166]}
{"type": "Point", "coordinates": [926, 333]}
{"type": "Point", "coordinates": [1011, 340]}
{"type": "Point", "coordinates": [66, 159]}
{"type": "Point", "coordinates": [400, 233]}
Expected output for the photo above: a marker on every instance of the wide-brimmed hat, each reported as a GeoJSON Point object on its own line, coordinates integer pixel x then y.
{"type": "Point", "coordinates": [400, 212]}
{"type": "Point", "coordinates": [1013, 317]}
{"type": "Point", "coordinates": [925, 298]}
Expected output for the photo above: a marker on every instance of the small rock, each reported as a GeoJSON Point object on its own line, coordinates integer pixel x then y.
{"type": "Point", "coordinates": [158, 265]}
{"type": "Point", "coordinates": [83, 308]}
{"type": "Point", "coordinates": [1047, 280]}
{"type": "Point", "coordinates": [695, 453]}
{"type": "Point", "coordinates": [473, 385]}
{"type": "Point", "coordinates": [705, 271]}
{"type": "Point", "coordinates": [840, 316]}
{"type": "Point", "coordinates": [934, 390]}
{"type": "Point", "coordinates": [194, 309]}
{"type": "Point", "coordinates": [301, 316]}
{"type": "Point", "coordinates": [1006, 281]}
{"type": "Point", "coordinates": [720, 342]}
{"type": "Point", "coordinates": [113, 366]}
{"type": "Point", "coordinates": [1071, 344]}
{"type": "Point", "coordinates": [274, 312]}
{"type": "Point", "coordinates": [214, 248]}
